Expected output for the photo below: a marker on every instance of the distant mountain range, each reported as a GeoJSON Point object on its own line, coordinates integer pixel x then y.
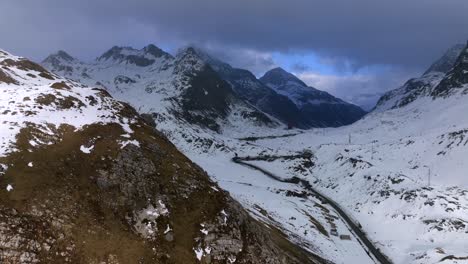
{"type": "Point", "coordinates": [194, 87]}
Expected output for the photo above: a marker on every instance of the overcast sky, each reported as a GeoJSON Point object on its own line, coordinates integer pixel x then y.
{"type": "Point", "coordinates": [355, 49]}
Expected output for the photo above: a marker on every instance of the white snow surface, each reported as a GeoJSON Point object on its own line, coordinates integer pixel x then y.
{"type": "Point", "coordinates": [26, 103]}
{"type": "Point", "coordinates": [86, 150]}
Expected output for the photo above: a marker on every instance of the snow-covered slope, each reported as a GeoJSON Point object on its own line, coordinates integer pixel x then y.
{"type": "Point", "coordinates": [181, 88]}
{"type": "Point", "coordinates": [318, 108]}
{"type": "Point", "coordinates": [85, 179]}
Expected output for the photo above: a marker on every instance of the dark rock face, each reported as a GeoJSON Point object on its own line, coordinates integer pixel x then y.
{"type": "Point", "coordinates": [6, 78]}
{"type": "Point", "coordinates": [123, 79]}
{"type": "Point", "coordinates": [208, 97]}
{"type": "Point", "coordinates": [414, 88]}
{"type": "Point", "coordinates": [282, 108]}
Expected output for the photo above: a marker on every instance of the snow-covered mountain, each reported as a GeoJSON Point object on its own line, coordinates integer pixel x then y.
{"type": "Point", "coordinates": [85, 179]}
{"type": "Point", "coordinates": [317, 108]}
{"type": "Point", "coordinates": [183, 87]}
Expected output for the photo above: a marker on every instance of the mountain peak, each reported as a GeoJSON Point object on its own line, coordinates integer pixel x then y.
{"type": "Point", "coordinates": [279, 70]}
{"type": "Point", "coordinates": [279, 77]}
{"type": "Point", "coordinates": [128, 55]}
{"type": "Point", "coordinates": [192, 54]}
{"type": "Point", "coordinates": [58, 57]}
{"type": "Point", "coordinates": [64, 55]}
{"type": "Point", "coordinates": [189, 59]}
{"type": "Point", "coordinates": [155, 51]}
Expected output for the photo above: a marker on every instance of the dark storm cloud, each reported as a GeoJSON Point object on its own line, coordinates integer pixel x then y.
{"type": "Point", "coordinates": [364, 31]}
{"type": "Point", "coordinates": [349, 35]}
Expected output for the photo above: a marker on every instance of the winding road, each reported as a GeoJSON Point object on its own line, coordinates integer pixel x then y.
{"type": "Point", "coordinates": [368, 246]}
